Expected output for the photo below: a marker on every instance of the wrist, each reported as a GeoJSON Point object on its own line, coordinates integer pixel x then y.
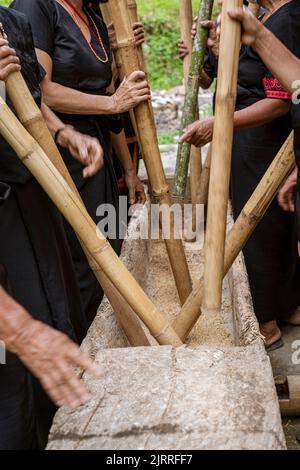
{"type": "Point", "coordinates": [130, 170]}
{"type": "Point", "coordinates": [62, 135]}
{"type": "Point", "coordinates": [113, 105]}
{"type": "Point", "coordinates": [14, 322]}
{"type": "Point", "coordinates": [260, 38]}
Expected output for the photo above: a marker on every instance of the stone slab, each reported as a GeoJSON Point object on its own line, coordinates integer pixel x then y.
{"type": "Point", "coordinates": [175, 399]}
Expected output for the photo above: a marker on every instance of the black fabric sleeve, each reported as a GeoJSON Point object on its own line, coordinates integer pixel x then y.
{"type": "Point", "coordinates": [210, 66]}
{"type": "Point", "coordinates": [41, 14]}
{"type": "Point", "coordinates": [285, 26]}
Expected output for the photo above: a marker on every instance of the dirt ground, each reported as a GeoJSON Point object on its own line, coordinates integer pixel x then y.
{"type": "Point", "coordinates": [290, 427]}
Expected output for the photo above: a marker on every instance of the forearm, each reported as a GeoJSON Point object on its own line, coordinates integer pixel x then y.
{"type": "Point", "coordinates": [52, 121]}
{"type": "Point", "coordinates": [260, 113]}
{"type": "Point", "coordinates": [278, 59]}
{"type": "Point", "coordinates": [205, 80]}
{"type": "Point", "coordinates": [13, 321]}
{"type": "Point", "coordinates": [122, 152]}
{"type": "Point", "coordinates": [69, 101]}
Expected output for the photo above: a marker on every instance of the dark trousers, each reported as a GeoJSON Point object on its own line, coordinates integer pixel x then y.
{"type": "Point", "coordinates": [34, 253]}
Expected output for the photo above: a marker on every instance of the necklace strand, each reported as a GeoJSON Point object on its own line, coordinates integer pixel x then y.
{"type": "Point", "coordinates": [73, 12]}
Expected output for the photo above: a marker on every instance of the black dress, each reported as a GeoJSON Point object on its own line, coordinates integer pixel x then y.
{"type": "Point", "coordinates": [36, 257]}
{"type": "Point", "coordinates": [75, 66]}
{"type": "Point", "coordinates": [271, 252]}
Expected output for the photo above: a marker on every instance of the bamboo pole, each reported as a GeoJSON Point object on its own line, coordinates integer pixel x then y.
{"type": "Point", "coordinates": [191, 97]}
{"type": "Point", "coordinates": [149, 145]}
{"type": "Point", "coordinates": [186, 23]}
{"type": "Point", "coordinates": [254, 8]}
{"type": "Point", "coordinates": [242, 229]}
{"type": "Point", "coordinates": [221, 158]}
{"type": "Point", "coordinates": [31, 118]}
{"type": "Point", "coordinates": [105, 10]}
{"type": "Point", "coordinates": [133, 13]}
{"type": "Point", "coordinates": [50, 179]}
{"type": "Point", "coordinates": [202, 191]}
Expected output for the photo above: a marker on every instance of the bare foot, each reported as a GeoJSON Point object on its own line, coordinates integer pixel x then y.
{"type": "Point", "coordinates": [270, 331]}
{"type": "Point", "coordinates": [294, 319]}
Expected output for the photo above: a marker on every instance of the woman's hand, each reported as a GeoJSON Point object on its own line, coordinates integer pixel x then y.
{"type": "Point", "coordinates": [50, 356]}
{"type": "Point", "coordinates": [47, 353]}
{"type": "Point", "coordinates": [139, 33]}
{"type": "Point", "coordinates": [132, 91]}
{"type": "Point", "coordinates": [84, 148]}
{"type": "Point", "coordinates": [252, 28]}
{"type": "Point", "coordinates": [287, 194]}
{"type": "Point", "coordinates": [135, 187]}
{"type": "Point", "coordinates": [182, 50]}
{"type": "Point", "coordinates": [9, 62]}
{"type": "Point", "coordinates": [199, 133]}
{"type": "Point", "coordinates": [213, 42]}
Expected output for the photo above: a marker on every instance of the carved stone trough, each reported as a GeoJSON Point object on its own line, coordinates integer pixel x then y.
{"type": "Point", "coordinates": [217, 392]}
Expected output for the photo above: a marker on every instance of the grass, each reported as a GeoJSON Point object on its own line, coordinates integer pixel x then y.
{"type": "Point", "coordinates": [167, 138]}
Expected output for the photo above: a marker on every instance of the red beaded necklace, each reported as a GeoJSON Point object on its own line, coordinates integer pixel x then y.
{"type": "Point", "coordinates": [74, 14]}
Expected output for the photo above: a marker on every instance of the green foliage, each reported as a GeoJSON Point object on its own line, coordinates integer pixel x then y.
{"type": "Point", "coordinates": [161, 21]}
{"type": "Point", "coordinates": [5, 2]}
{"type": "Point", "coordinates": [164, 66]}
{"type": "Point", "coordinates": [167, 138]}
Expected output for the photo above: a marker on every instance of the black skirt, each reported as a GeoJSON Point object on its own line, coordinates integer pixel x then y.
{"type": "Point", "coordinates": [100, 189]}
{"type": "Point", "coordinates": [36, 258]}
{"type": "Point", "coordinates": [271, 253]}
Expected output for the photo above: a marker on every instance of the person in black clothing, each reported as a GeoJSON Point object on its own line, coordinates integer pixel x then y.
{"type": "Point", "coordinates": [34, 254]}
{"type": "Point", "coordinates": [262, 124]}
{"type": "Point", "coordinates": [72, 45]}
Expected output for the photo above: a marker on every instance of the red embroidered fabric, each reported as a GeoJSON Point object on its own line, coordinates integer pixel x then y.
{"type": "Point", "coordinates": [274, 89]}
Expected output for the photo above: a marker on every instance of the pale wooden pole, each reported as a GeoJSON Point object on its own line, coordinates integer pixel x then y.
{"type": "Point", "coordinates": [133, 12]}
{"type": "Point", "coordinates": [32, 119]}
{"type": "Point", "coordinates": [186, 23]}
{"type": "Point", "coordinates": [50, 179]}
{"type": "Point", "coordinates": [242, 229]}
{"type": "Point", "coordinates": [149, 144]}
{"type": "Point", "coordinates": [254, 8]}
{"type": "Point", "coordinates": [202, 190]}
{"type": "Point", "coordinates": [221, 158]}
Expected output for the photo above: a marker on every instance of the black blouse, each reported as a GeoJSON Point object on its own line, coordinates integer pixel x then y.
{"type": "Point", "coordinates": [55, 32]}
{"type": "Point", "coordinates": [20, 38]}
{"type": "Point", "coordinates": [255, 81]}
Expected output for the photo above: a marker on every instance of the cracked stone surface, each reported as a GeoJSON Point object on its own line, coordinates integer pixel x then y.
{"type": "Point", "coordinates": [166, 398]}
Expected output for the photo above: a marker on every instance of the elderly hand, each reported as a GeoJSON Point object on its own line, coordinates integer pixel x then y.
{"type": "Point", "coordinates": [287, 193]}
{"type": "Point", "coordinates": [212, 40]}
{"type": "Point", "coordinates": [252, 28]}
{"type": "Point", "coordinates": [139, 33]}
{"type": "Point", "coordinates": [9, 61]}
{"type": "Point", "coordinates": [198, 133]}
{"type": "Point", "coordinates": [182, 50]}
{"type": "Point", "coordinates": [47, 353]}
{"type": "Point", "coordinates": [135, 187]}
{"type": "Point", "coordinates": [132, 91]}
{"type": "Point", "coordinates": [84, 148]}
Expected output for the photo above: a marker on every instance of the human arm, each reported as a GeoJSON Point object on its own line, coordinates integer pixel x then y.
{"type": "Point", "coordinates": [82, 147]}
{"type": "Point", "coordinates": [132, 91]}
{"type": "Point", "coordinates": [201, 132]}
{"type": "Point", "coordinates": [277, 58]}
{"type": "Point", "coordinates": [287, 193]}
{"type": "Point", "coordinates": [135, 186]}
{"type": "Point", "coordinates": [47, 353]}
